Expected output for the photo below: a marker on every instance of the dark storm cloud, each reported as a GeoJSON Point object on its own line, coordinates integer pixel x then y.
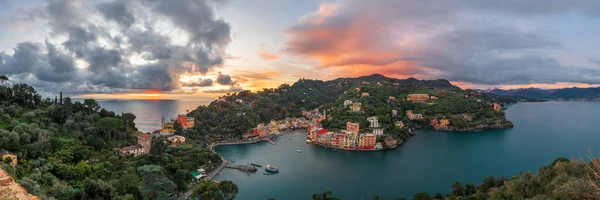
{"type": "Point", "coordinates": [200, 83]}
{"type": "Point", "coordinates": [224, 79]}
{"type": "Point", "coordinates": [105, 50]}
{"type": "Point", "coordinates": [118, 12]}
{"type": "Point", "coordinates": [51, 65]}
{"type": "Point", "coordinates": [463, 40]}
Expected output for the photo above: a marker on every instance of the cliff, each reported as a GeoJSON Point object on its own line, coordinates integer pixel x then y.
{"type": "Point", "coordinates": [10, 189]}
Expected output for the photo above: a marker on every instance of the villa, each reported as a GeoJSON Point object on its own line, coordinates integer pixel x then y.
{"type": "Point", "coordinates": [374, 122]}
{"type": "Point", "coordinates": [347, 103]}
{"type": "Point", "coordinates": [176, 139]}
{"type": "Point", "coordinates": [378, 132]}
{"type": "Point", "coordinates": [418, 97]}
{"type": "Point", "coordinates": [412, 116]}
{"type": "Point", "coordinates": [142, 147]}
{"type": "Point", "coordinates": [355, 107]}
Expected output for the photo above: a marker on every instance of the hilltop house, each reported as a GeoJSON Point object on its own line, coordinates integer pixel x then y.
{"type": "Point", "coordinates": [176, 139]}
{"type": "Point", "coordinates": [352, 127]}
{"type": "Point", "coordinates": [364, 94]}
{"type": "Point", "coordinates": [347, 103]}
{"type": "Point", "coordinates": [399, 124]}
{"type": "Point", "coordinates": [413, 116]}
{"type": "Point", "coordinates": [418, 97]}
{"type": "Point", "coordinates": [378, 132]}
{"type": "Point", "coordinates": [497, 107]}
{"type": "Point", "coordinates": [374, 122]}
{"type": "Point", "coordinates": [355, 107]}
{"type": "Point", "coordinates": [144, 142]}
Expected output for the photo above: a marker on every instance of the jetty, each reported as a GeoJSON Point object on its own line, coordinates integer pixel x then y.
{"type": "Point", "coordinates": [244, 168]}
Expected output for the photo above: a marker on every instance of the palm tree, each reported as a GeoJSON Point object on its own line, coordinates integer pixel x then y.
{"type": "Point", "coordinates": [3, 78]}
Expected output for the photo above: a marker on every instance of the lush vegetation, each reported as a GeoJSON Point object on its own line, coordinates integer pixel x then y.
{"type": "Point", "coordinates": [69, 150]}
{"type": "Point", "coordinates": [236, 113]}
{"type": "Point", "coordinates": [563, 179]}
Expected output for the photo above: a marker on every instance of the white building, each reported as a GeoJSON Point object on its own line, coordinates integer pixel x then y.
{"type": "Point", "coordinates": [394, 112]}
{"type": "Point", "coordinates": [378, 132]}
{"type": "Point", "coordinates": [374, 122]}
{"type": "Point", "coordinates": [378, 146]}
{"type": "Point", "coordinates": [347, 103]}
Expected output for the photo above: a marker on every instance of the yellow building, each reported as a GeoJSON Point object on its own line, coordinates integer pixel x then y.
{"type": "Point", "coordinates": [167, 127]}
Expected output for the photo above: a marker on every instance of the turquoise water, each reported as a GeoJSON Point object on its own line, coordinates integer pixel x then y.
{"type": "Point", "coordinates": [428, 162]}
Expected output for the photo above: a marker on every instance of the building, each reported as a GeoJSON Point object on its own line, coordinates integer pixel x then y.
{"type": "Point", "coordinates": [239, 101]}
{"type": "Point", "coordinates": [390, 141]}
{"type": "Point", "coordinates": [413, 116]}
{"type": "Point", "coordinates": [444, 123]}
{"type": "Point", "coordinates": [434, 97]}
{"type": "Point", "coordinates": [355, 107]}
{"type": "Point", "coordinates": [378, 146]}
{"type": "Point", "coordinates": [394, 112]}
{"type": "Point", "coordinates": [6, 155]}
{"type": "Point", "coordinates": [176, 139]}
{"type": "Point", "coordinates": [356, 89]}
{"type": "Point", "coordinates": [182, 119]}
{"type": "Point", "coordinates": [190, 122]}
{"type": "Point", "coordinates": [497, 107]}
{"type": "Point", "coordinates": [418, 97]}
{"type": "Point", "coordinates": [142, 147]}
{"type": "Point", "coordinates": [367, 141]}
{"type": "Point", "coordinates": [399, 124]}
{"type": "Point", "coordinates": [347, 103]}
{"type": "Point", "coordinates": [374, 122]}
{"type": "Point", "coordinates": [167, 127]}
{"type": "Point", "coordinates": [352, 127]}
{"type": "Point", "coordinates": [378, 132]}
{"type": "Point", "coordinates": [364, 94]}
{"type": "Point", "coordinates": [392, 98]}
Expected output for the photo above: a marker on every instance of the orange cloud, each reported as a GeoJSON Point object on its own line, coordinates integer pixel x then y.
{"type": "Point", "coordinates": [268, 56]}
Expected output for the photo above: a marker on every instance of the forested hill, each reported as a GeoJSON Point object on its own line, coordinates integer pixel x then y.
{"type": "Point", "coordinates": [573, 94]}
{"type": "Point", "coordinates": [236, 113]}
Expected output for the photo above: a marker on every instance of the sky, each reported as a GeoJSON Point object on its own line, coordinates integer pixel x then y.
{"type": "Point", "coordinates": [201, 49]}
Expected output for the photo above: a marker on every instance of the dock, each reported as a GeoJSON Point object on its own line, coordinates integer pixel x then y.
{"type": "Point", "coordinates": [270, 141]}
{"type": "Point", "coordinates": [244, 168]}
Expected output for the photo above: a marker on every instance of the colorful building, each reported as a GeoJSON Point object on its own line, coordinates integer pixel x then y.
{"type": "Point", "coordinates": [352, 127]}
{"type": "Point", "coordinates": [413, 116]}
{"type": "Point", "coordinates": [418, 97]}
{"type": "Point", "coordinates": [355, 107]}
{"type": "Point", "coordinates": [497, 107]}
{"type": "Point", "coordinates": [364, 94]}
{"type": "Point", "coordinates": [399, 124]}
{"type": "Point", "coordinates": [347, 103]}
{"type": "Point", "coordinates": [367, 141]}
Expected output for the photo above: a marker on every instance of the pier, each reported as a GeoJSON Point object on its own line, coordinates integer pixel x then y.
{"type": "Point", "coordinates": [244, 168]}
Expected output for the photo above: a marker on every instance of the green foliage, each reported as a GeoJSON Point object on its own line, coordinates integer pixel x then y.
{"type": "Point", "coordinates": [155, 185]}
{"type": "Point", "coordinates": [324, 196]}
{"type": "Point", "coordinates": [206, 189]}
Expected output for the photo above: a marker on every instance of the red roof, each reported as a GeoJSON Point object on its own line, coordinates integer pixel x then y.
{"type": "Point", "coordinates": [145, 135]}
{"type": "Point", "coordinates": [322, 131]}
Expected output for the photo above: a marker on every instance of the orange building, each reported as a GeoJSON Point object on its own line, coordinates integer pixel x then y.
{"type": "Point", "coordinates": [182, 120]}
{"type": "Point", "coordinates": [367, 141]}
{"type": "Point", "coordinates": [352, 127]}
{"type": "Point", "coordinates": [418, 97]}
{"type": "Point", "coordinates": [497, 107]}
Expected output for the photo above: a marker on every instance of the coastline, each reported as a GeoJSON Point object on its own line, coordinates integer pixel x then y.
{"type": "Point", "coordinates": [351, 149]}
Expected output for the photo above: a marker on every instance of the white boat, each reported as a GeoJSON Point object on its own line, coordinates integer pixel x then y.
{"type": "Point", "coordinates": [299, 151]}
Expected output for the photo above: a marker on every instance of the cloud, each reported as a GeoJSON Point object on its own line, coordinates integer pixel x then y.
{"type": "Point", "coordinates": [200, 83]}
{"type": "Point", "coordinates": [224, 79]}
{"type": "Point", "coordinates": [268, 56]}
{"type": "Point", "coordinates": [228, 90]}
{"type": "Point", "coordinates": [469, 40]}
{"type": "Point", "coordinates": [120, 46]}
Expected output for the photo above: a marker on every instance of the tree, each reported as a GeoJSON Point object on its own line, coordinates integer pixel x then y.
{"type": "Point", "coordinates": [98, 189]}
{"type": "Point", "coordinates": [207, 189]}
{"type": "Point", "coordinates": [457, 189]}
{"type": "Point", "coordinates": [228, 189]}
{"type": "Point", "coordinates": [155, 185]}
{"type": "Point", "coordinates": [3, 78]}
{"type": "Point", "coordinates": [111, 125]}
{"type": "Point", "coordinates": [129, 119]}
{"type": "Point", "coordinates": [324, 196]}
{"type": "Point", "coordinates": [422, 196]}
{"type": "Point", "coordinates": [91, 105]}
{"type": "Point", "coordinates": [67, 107]}
{"type": "Point", "coordinates": [159, 147]}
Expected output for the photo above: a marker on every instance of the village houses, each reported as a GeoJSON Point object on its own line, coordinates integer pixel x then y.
{"type": "Point", "coordinates": [413, 116]}
{"type": "Point", "coordinates": [418, 97]}
{"type": "Point", "coordinates": [144, 142]}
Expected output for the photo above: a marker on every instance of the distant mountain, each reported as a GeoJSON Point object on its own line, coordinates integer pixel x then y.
{"type": "Point", "coordinates": [576, 94]}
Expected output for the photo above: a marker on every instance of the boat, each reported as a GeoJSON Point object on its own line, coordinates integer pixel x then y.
{"type": "Point", "coordinates": [256, 165]}
{"type": "Point", "coordinates": [299, 151]}
{"type": "Point", "coordinates": [308, 141]}
{"type": "Point", "coordinates": [266, 173]}
{"type": "Point", "coordinates": [271, 169]}
{"type": "Point", "coordinates": [335, 150]}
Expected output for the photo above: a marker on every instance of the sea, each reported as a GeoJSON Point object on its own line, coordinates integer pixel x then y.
{"type": "Point", "coordinates": [429, 162]}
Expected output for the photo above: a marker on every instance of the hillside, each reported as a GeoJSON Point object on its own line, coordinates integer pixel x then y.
{"type": "Point", "coordinates": [570, 94]}
{"type": "Point", "coordinates": [236, 113]}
